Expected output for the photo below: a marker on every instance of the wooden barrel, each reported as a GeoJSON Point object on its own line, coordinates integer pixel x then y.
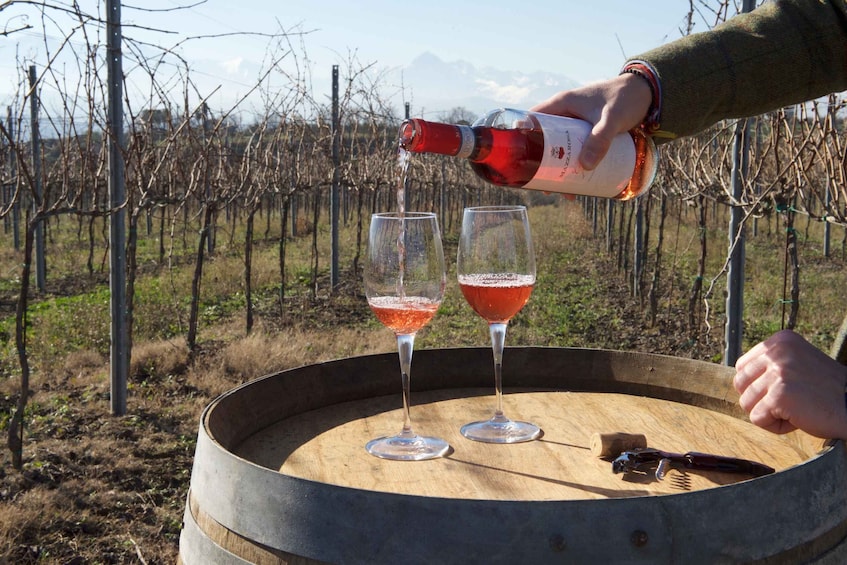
{"type": "Point", "coordinates": [281, 474]}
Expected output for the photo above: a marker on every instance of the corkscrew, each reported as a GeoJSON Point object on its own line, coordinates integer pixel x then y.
{"type": "Point", "coordinates": [639, 458]}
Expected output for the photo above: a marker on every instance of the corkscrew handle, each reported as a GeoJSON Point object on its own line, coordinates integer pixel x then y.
{"type": "Point", "coordinates": [709, 462]}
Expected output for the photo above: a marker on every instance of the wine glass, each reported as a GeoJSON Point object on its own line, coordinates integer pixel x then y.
{"type": "Point", "coordinates": [404, 284]}
{"type": "Point", "coordinates": [496, 271]}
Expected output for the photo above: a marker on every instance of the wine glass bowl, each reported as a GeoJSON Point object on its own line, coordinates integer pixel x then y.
{"type": "Point", "coordinates": [496, 272]}
{"type": "Point", "coordinates": [404, 280]}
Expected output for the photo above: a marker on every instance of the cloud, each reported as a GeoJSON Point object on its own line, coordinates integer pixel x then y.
{"type": "Point", "coordinates": [232, 66]}
{"type": "Point", "coordinates": [510, 93]}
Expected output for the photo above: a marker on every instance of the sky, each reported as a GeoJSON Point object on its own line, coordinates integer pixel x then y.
{"type": "Point", "coordinates": [585, 40]}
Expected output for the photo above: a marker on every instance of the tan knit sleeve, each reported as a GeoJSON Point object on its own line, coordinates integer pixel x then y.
{"type": "Point", "coordinates": [784, 52]}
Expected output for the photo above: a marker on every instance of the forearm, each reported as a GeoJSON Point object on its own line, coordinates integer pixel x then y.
{"type": "Point", "coordinates": [786, 51]}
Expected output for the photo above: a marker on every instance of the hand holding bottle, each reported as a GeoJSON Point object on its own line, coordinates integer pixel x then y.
{"type": "Point", "coordinates": [613, 106]}
{"type": "Point", "coordinates": [539, 151]}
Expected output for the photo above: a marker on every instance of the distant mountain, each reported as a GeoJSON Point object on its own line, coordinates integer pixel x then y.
{"type": "Point", "coordinates": [435, 86]}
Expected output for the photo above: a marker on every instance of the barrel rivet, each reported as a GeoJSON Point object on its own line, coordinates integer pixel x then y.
{"type": "Point", "coordinates": [638, 538]}
{"type": "Point", "coordinates": [557, 543]}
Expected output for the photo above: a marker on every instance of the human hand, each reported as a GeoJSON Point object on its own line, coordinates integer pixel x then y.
{"type": "Point", "coordinates": [786, 383]}
{"type": "Point", "coordinates": [612, 106]}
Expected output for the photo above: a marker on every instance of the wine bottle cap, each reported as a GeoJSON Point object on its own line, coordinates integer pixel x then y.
{"type": "Point", "coordinates": [421, 136]}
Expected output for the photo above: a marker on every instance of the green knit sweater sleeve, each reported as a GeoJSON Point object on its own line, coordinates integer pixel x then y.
{"type": "Point", "coordinates": [784, 52]}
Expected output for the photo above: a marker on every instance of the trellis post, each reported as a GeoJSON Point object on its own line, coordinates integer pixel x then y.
{"type": "Point", "coordinates": [336, 169]}
{"type": "Point", "coordinates": [735, 274]}
{"type": "Point", "coordinates": [119, 354]}
{"type": "Point", "coordinates": [40, 258]}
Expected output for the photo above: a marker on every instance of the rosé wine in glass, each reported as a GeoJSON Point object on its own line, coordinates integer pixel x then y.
{"type": "Point", "coordinates": [405, 279]}
{"type": "Point", "coordinates": [496, 272]}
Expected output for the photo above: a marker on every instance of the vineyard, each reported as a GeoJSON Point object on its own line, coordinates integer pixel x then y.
{"type": "Point", "coordinates": [242, 253]}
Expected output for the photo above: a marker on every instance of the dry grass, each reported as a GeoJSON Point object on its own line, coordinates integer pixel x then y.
{"type": "Point", "coordinates": [159, 358]}
{"type": "Point", "coordinates": [104, 488]}
{"type": "Point", "coordinates": [262, 354]}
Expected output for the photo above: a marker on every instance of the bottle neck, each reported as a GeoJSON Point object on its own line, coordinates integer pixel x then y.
{"type": "Point", "coordinates": [421, 136]}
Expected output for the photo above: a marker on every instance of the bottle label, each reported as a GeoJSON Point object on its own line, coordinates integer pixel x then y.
{"type": "Point", "coordinates": [560, 170]}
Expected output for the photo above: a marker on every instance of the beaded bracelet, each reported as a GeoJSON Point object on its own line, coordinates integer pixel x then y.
{"type": "Point", "coordinates": [645, 71]}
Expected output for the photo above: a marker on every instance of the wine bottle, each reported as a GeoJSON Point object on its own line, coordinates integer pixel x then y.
{"type": "Point", "coordinates": [539, 151]}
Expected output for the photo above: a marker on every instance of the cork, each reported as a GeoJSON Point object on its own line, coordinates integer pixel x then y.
{"type": "Point", "coordinates": [613, 444]}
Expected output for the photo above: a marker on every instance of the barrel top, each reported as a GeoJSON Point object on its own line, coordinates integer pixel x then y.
{"type": "Point", "coordinates": [327, 445]}
{"type": "Point", "coordinates": [281, 463]}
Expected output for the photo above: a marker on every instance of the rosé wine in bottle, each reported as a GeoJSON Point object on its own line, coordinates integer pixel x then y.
{"type": "Point", "coordinates": [538, 151]}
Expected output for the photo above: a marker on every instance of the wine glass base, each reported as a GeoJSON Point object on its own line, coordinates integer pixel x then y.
{"type": "Point", "coordinates": [501, 430]}
{"type": "Point", "coordinates": [408, 448]}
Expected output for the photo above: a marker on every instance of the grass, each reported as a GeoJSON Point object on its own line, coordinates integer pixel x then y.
{"type": "Point", "coordinates": [76, 318]}
{"type": "Point", "coordinates": [102, 489]}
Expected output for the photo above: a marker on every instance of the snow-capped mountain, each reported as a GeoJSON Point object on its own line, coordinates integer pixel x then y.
{"type": "Point", "coordinates": [434, 86]}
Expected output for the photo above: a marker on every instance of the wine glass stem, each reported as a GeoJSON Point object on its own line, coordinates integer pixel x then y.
{"type": "Point", "coordinates": [405, 346]}
{"type": "Point", "coordinates": [498, 340]}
